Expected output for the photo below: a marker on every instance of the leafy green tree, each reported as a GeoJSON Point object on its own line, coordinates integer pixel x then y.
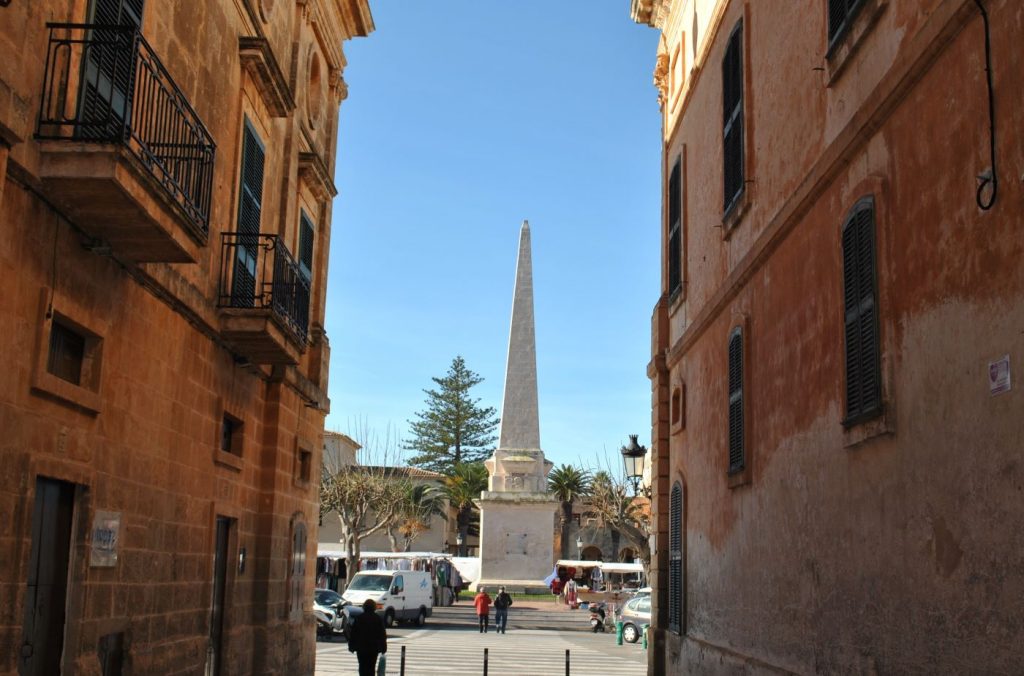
{"type": "Point", "coordinates": [454, 428]}
{"type": "Point", "coordinates": [462, 488]}
{"type": "Point", "coordinates": [568, 483]}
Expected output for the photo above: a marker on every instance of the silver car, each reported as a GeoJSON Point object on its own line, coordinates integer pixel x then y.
{"type": "Point", "coordinates": [330, 603]}
{"type": "Point", "coordinates": [634, 615]}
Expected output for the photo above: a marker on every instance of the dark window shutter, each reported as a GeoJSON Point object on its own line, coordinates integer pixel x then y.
{"type": "Point", "coordinates": [840, 14]}
{"type": "Point", "coordinates": [863, 380]}
{"type": "Point", "coordinates": [306, 245]}
{"type": "Point", "coordinates": [66, 354]}
{"type": "Point", "coordinates": [675, 559]}
{"type": "Point", "coordinates": [737, 458]}
{"type": "Point", "coordinates": [732, 117]}
{"type": "Point", "coordinates": [250, 202]}
{"type": "Point", "coordinates": [109, 73]}
{"type": "Point", "coordinates": [675, 244]}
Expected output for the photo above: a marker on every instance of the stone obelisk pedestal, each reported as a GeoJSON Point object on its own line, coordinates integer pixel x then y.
{"type": "Point", "coordinates": [517, 513]}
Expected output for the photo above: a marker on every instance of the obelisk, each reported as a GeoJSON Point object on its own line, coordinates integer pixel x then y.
{"type": "Point", "coordinates": [517, 512]}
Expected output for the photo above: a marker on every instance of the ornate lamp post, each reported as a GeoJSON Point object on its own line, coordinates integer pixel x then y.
{"type": "Point", "coordinates": [458, 541]}
{"type": "Point", "coordinates": [633, 457]}
{"type": "Point", "coordinates": [579, 548]}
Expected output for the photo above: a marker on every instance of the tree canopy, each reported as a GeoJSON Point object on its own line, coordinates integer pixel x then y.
{"type": "Point", "coordinates": [454, 428]}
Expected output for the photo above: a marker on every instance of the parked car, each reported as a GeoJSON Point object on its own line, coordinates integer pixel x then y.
{"type": "Point", "coordinates": [328, 606]}
{"type": "Point", "coordinates": [399, 595]}
{"type": "Point", "coordinates": [634, 615]}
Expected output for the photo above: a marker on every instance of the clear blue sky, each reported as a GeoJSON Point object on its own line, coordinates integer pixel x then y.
{"type": "Point", "coordinates": [464, 118]}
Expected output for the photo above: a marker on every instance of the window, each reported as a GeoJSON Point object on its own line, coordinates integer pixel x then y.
{"type": "Point", "coordinates": [675, 243]}
{"type": "Point", "coordinates": [732, 120]}
{"type": "Point", "coordinates": [675, 559]}
{"type": "Point", "coordinates": [67, 353]}
{"type": "Point", "coordinates": [306, 245]}
{"type": "Point", "coordinates": [250, 204]}
{"type": "Point", "coordinates": [737, 453]}
{"type": "Point", "coordinates": [231, 435]}
{"type": "Point", "coordinates": [297, 578]}
{"type": "Point", "coordinates": [677, 408]}
{"type": "Point", "coordinates": [304, 466]}
{"type": "Point", "coordinates": [840, 15]}
{"type": "Point", "coordinates": [863, 378]}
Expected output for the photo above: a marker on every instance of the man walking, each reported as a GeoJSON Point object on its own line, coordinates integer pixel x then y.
{"type": "Point", "coordinates": [483, 607]}
{"type": "Point", "coordinates": [368, 638]}
{"type": "Point", "coordinates": [501, 605]}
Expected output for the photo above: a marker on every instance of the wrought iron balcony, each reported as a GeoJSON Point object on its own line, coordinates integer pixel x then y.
{"type": "Point", "coordinates": [122, 148]}
{"type": "Point", "coordinates": [265, 297]}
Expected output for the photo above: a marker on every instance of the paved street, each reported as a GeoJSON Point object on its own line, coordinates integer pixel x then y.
{"type": "Point", "coordinates": [450, 644]}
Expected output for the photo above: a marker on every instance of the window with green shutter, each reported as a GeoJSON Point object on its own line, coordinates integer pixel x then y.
{"type": "Point", "coordinates": [306, 231]}
{"type": "Point", "coordinates": [250, 205]}
{"type": "Point", "coordinates": [675, 239]}
{"type": "Point", "coordinates": [737, 448]}
{"type": "Point", "coordinates": [732, 117]}
{"type": "Point", "coordinates": [863, 372]}
{"type": "Point", "coordinates": [675, 559]}
{"type": "Point", "coordinates": [840, 15]}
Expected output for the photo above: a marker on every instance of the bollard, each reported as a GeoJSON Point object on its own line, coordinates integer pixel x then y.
{"type": "Point", "coordinates": [566, 662]}
{"type": "Point", "coordinates": [485, 661]}
{"type": "Point", "coordinates": [401, 663]}
{"type": "Point", "coordinates": [618, 632]}
{"type": "Point", "coordinates": [645, 628]}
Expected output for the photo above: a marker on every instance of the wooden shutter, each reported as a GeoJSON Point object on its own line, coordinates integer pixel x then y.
{"type": "Point", "coordinates": [306, 231]}
{"type": "Point", "coordinates": [840, 15]}
{"type": "Point", "coordinates": [863, 380]}
{"type": "Point", "coordinates": [675, 559]}
{"type": "Point", "coordinates": [675, 244]}
{"type": "Point", "coordinates": [737, 458]}
{"type": "Point", "coordinates": [243, 290]}
{"type": "Point", "coordinates": [109, 73]}
{"type": "Point", "coordinates": [732, 120]}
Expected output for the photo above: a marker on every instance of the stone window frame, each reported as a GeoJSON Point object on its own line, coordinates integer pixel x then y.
{"type": "Point", "coordinates": [235, 457]}
{"type": "Point", "coordinates": [85, 395]}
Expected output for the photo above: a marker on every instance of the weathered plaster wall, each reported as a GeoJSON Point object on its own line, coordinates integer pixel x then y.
{"type": "Point", "coordinates": [892, 554]}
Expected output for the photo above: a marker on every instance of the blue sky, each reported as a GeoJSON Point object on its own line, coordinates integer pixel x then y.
{"type": "Point", "coordinates": [464, 118]}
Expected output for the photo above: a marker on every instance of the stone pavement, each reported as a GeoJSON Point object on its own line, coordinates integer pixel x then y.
{"type": "Point", "coordinates": [450, 643]}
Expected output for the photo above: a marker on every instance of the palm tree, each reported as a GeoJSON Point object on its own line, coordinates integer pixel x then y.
{"type": "Point", "coordinates": [462, 488]}
{"type": "Point", "coordinates": [420, 503]}
{"type": "Point", "coordinates": [568, 483]}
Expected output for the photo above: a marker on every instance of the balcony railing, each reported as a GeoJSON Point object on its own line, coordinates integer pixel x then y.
{"type": "Point", "coordinates": [258, 271]}
{"type": "Point", "coordinates": [105, 84]}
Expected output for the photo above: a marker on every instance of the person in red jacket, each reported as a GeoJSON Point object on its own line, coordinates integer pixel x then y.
{"type": "Point", "coordinates": [483, 607]}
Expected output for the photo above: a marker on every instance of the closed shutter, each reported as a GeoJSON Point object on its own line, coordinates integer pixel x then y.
{"type": "Point", "coordinates": [675, 559]}
{"type": "Point", "coordinates": [306, 245]}
{"type": "Point", "coordinates": [863, 381]}
{"type": "Point", "coordinates": [675, 244]}
{"type": "Point", "coordinates": [737, 458]}
{"type": "Point", "coordinates": [243, 291]}
{"type": "Point", "coordinates": [732, 120]}
{"type": "Point", "coordinates": [109, 79]}
{"type": "Point", "coordinates": [840, 15]}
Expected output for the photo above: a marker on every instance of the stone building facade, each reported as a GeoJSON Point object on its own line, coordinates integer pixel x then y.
{"type": "Point", "coordinates": [165, 210]}
{"type": "Point", "coordinates": [836, 350]}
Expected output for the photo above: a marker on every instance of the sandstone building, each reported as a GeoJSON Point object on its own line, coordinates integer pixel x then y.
{"type": "Point", "coordinates": [836, 350]}
{"type": "Point", "coordinates": [165, 209]}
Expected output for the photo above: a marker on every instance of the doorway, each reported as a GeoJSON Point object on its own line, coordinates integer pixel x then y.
{"type": "Point", "coordinates": [42, 645]}
{"type": "Point", "coordinates": [215, 655]}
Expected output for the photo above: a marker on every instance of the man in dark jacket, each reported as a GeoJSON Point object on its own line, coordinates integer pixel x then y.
{"type": "Point", "coordinates": [367, 638]}
{"type": "Point", "coordinates": [501, 604]}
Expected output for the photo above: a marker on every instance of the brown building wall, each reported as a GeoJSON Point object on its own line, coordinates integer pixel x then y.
{"type": "Point", "coordinates": [882, 547]}
{"type": "Point", "coordinates": [141, 436]}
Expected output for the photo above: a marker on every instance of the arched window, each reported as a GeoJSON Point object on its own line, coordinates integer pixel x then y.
{"type": "Point", "coordinates": [737, 450]}
{"type": "Point", "coordinates": [675, 559]}
{"type": "Point", "coordinates": [863, 380]}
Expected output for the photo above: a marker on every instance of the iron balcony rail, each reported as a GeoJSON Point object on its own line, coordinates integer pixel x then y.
{"type": "Point", "coordinates": [104, 83]}
{"type": "Point", "coordinates": [258, 271]}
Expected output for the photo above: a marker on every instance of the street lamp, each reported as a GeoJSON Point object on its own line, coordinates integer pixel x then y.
{"type": "Point", "coordinates": [579, 547]}
{"type": "Point", "coordinates": [458, 541]}
{"type": "Point", "coordinates": [633, 457]}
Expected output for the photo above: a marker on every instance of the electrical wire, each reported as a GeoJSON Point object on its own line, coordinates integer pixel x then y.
{"type": "Point", "coordinates": [988, 179]}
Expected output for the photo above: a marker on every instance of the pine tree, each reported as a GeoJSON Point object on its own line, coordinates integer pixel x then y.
{"type": "Point", "coordinates": [454, 428]}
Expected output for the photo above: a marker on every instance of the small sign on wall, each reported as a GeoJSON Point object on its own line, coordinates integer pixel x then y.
{"type": "Point", "coordinates": [999, 375]}
{"type": "Point", "coordinates": [106, 533]}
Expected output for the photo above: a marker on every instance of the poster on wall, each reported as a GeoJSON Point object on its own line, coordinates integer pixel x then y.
{"type": "Point", "coordinates": [999, 375]}
{"type": "Point", "coordinates": [106, 530]}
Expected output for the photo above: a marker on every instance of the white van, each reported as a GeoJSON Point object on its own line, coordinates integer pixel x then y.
{"type": "Point", "coordinates": [400, 594]}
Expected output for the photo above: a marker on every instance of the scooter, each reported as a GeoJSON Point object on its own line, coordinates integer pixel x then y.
{"type": "Point", "coordinates": [324, 624]}
{"type": "Point", "coordinates": [597, 617]}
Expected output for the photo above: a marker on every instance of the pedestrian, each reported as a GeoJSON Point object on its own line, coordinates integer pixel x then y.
{"type": "Point", "coordinates": [368, 638]}
{"type": "Point", "coordinates": [570, 593]}
{"type": "Point", "coordinates": [501, 605]}
{"type": "Point", "coordinates": [483, 607]}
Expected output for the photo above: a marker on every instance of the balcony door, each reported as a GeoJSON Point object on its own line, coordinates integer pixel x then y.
{"type": "Point", "coordinates": [42, 643]}
{"type": "Point", "coordinates": [109, 68]}
{"type": "Point", "coordinates": [250, 205]}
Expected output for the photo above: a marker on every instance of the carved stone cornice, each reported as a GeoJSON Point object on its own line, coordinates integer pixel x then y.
{"type": "Point", "coordinates": [654, 13]}
{"type": "Point", "coordinates": [259, 61]}
{"type": "Point", "coordinates": [313, 172]}
{"type": "Point", "coordinates": [661, 78]}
